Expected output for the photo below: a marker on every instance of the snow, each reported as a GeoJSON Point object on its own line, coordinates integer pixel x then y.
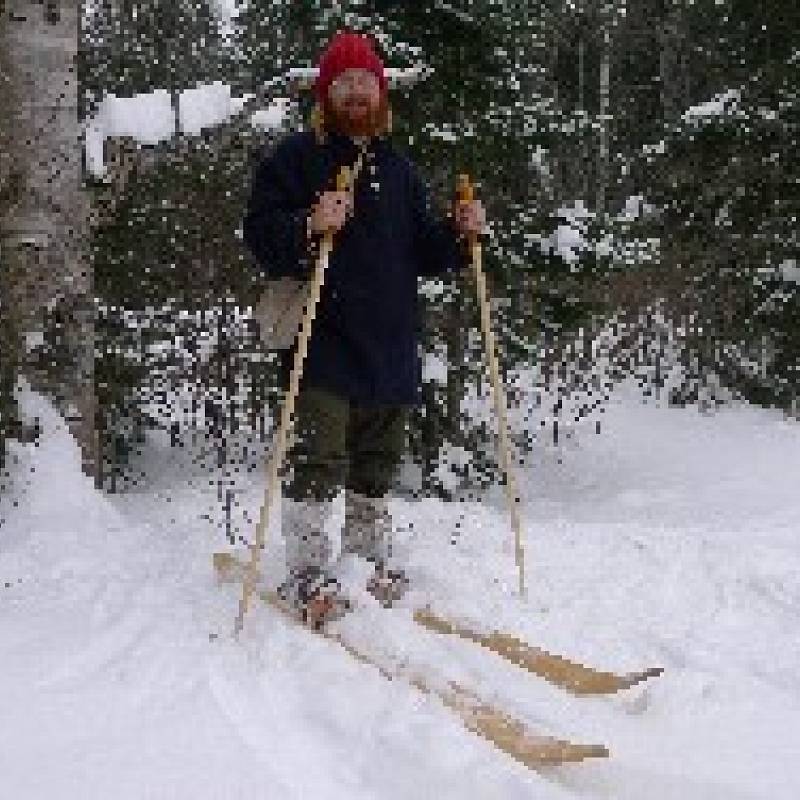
{"type": "Point", "coordinates": [226, 13]}
{"type": "Point", "coordinates": [274, 115]}
{"type": "Point", "coordinates": [204, 106]}
{"type": "Point", "coordinates": [148, 118]}
{"type": "Point", "coordinates": [635, 207]}
{"type": "Point", "coordinates": [572, 237]}
{"type": "Point", "coordinates": [789, 270]}
{"type": "Point", "coordinates": [396, 77]}
{"type": "Point", "coordinates": [446, 133]}
{"type": "Point", "coordinates": [669, 539]}
{"type": "Point", "coordinates": [569, 240]}
{"type": "Point", "coordinates": [720, 105]}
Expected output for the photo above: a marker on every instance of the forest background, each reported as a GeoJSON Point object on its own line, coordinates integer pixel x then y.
{"type": "Point", "coordinates": [638, 161]}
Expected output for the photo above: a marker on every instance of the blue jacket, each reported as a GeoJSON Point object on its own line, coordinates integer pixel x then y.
{"type": "Point", "coordinates": [364, 341]}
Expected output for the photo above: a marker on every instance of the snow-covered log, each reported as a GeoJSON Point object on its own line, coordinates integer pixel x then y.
{"type": "Point", "coordinates": [304, 77]}
{"type": "Point", "coordinates": [149, 118]}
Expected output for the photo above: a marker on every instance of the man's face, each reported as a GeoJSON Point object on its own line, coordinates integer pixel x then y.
{"type": "Point", "coordinates": [355, 99]}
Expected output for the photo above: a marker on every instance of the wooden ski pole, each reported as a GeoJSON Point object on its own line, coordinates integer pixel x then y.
{"type": "Point", "coordinates": [466, 194]}
{"type": "Point", "coordinates": [343, 184]}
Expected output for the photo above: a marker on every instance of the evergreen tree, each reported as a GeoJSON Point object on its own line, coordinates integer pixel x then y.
{"type": "Point", "coordinates": [727, 185]}
{"type": "Point", "coordinates": [164, 255]}
{"type": "Point", "coordinates": [545, 104]}
{"type": "Point", "coordinates": [135, 46]}
{"type": "Point", "coordinates": [486, 110]}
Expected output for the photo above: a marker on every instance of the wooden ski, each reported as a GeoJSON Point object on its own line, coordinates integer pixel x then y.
{"type": "Point", "coordinates": [576, 678]}
{"type": "Point", "coordinates": [508, 734]}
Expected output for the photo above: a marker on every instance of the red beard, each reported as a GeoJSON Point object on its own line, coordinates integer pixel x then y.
{"type": "Point", "coordinates": [372, 123]}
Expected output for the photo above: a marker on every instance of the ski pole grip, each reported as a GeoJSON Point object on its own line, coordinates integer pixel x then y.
{"type": "Point", "coordinates": [465, 191]}
{"type": "Point", "coordinates": [343, 179]}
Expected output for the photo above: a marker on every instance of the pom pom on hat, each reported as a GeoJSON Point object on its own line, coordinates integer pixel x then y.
{"type": "Point", "coordinates": [347, 51]}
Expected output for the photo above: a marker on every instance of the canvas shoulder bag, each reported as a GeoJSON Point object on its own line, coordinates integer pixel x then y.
{"type": "Point", "coordinates": [280, 309]}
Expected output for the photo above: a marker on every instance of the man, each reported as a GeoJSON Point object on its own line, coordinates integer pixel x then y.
{"type": "Point", "coordinates": [362, 372]}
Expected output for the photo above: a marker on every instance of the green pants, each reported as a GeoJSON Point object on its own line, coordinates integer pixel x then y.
{"type": "Point", "coordinates": [338, 444]}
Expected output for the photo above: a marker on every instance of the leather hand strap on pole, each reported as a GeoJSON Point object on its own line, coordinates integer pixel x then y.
{"type": "Point", "coordinates": [465, 195]}
{"type": "Point", "coordinates": [344, 182]}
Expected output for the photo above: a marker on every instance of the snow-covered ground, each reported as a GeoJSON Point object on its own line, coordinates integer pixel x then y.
{"type": "Point", "coordinates": [669, 539]}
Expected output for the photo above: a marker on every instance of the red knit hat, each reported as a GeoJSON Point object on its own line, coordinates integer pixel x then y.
{"type": "Point", "coordinates": [347, 51]}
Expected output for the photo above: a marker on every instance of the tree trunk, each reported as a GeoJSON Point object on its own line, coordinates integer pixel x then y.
{"type": "Point", "coordinates": [603, 145]}
{"type": "Point", "coordinates": [43, 224]}
{"type": "Point", "coordinates": [584, 192]}
{"type": "Point", "coordinates": [671, 78]}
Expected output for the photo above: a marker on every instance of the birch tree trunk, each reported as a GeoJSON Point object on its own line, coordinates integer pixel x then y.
{"type": "Point", "coordinates": [43, 223]}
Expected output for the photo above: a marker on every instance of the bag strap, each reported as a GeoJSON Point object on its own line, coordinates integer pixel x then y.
{"type": "Point", "coordinates": [359, 164]}
{"type": "Point", "coordinates": [355, 171]}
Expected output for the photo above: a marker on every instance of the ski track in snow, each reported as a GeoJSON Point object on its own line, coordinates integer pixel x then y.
{"type": "Point", "coordinates": [670, 539]}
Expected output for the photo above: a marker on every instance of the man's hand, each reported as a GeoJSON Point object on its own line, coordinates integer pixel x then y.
{"type": "Point", "coordinates": [330, 213]}
{"type": "Point", "coordinates": [470, 218]}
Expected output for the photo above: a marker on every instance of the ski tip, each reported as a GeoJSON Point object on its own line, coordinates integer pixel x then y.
{"type": "Point", "coordinates": [644, 675]}
{"type": "Point", "coordinates": [554, 753]}
{"type": "Point", "coordinates": [653, 672]}
{"type": "Point", "coordinates": [581, 752]}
